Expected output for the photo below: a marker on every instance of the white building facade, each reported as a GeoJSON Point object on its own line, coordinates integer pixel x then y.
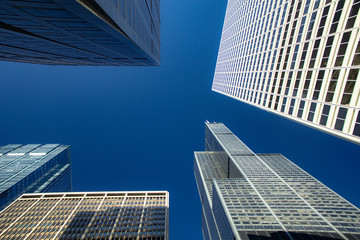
{"type": "Point", "coordinates": [299, 59]}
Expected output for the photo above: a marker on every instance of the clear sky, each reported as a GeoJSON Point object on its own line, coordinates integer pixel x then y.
{"type": "Point", "coordinates": [135, 128]}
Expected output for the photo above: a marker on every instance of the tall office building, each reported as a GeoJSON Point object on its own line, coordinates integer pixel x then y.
{"type": "Point", "coordinates": [265, 196]}
{"type": "Point", "coordinates": [112, 215]}
{"type": "Point", "coordinates": [299, 59]}
{"type": "Point", "coordinates": [81, 32]}
{"type": "Point", "coordinates": [33, 168]}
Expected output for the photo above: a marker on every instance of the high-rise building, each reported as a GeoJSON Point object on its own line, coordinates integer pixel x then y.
{"type": "Point", "coordinates": [92, 215]}
{"type": "Point", "coordinates": [33, 168]}
{"type": "Point", "coordinates": [299, 59]}
{"type": "Point", "coordinates": [265, 196]}
{"type": "Point", "coordinates": [81, 32]}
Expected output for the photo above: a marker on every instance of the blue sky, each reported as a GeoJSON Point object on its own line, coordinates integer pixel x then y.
{"type": "Point", "coordinates": [135, 128]}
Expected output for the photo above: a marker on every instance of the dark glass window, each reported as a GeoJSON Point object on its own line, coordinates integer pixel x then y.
{"type": "Point", "coordinates": [356, 60]}
{"type": "Point", "coordinates": [312, 111]}
{"type": "Point", "coordinates": [353, 13]}
{"type": "Point", "coordinates": [339, 124]}
{"type": "Point", "coordinates": [349, 87]}
{"type": "Point", "coordinates": [291, 109]}
{"type": "Point", "coordinates": [325, 114]}
{"type": "Point", "coordinates": [357, 126]}
{"type": "Point", "coordinates": [301, 109]}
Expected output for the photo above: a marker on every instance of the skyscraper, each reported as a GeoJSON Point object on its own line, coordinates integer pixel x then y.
{"type": "Point", "coordinates": [265, 196]}
{"type": "Point", "coordinates": [33, 168]}
{"type": "Point", "coordinates": [81, 32]}
{"type": "Point", "coordinates": [298, 59]}
{"type": "Point", "coordinates": [92, 215]}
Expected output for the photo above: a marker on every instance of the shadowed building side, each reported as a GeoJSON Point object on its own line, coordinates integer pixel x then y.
{"type": "Point", "coordinates": [33, 168]}
{"type": "Point", "coordinates": [81, 32]}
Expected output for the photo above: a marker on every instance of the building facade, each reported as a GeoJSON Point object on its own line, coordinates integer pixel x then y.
{"type": "Point", "coordinates": [33, 168]}
{"type": "Point", "coordinates": [265, 196]}
{"type": "Point", "coordinates": [81, 32]}
{"type": "Point", "coordinates": [299, 59]}
{"type": "Point", "coordinates": [96, 215]}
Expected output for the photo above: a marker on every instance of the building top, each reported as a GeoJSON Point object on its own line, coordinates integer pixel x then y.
{"type": "Point", "coordinates": [246, 195]}
{"type": "Point", "coordinates": [97, 194]}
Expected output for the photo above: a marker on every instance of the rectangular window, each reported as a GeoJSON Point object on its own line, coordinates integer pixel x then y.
{"type": "Point", "coordinates": [339, 124]}
{"type": "Point", "coordinates": [324, 115]}
{"type": "Point", "coordinates": [312, 111]}
{"type": "Point", "coordinates": [322, 21]}
{"type": "Point", "coordinates": [342, 49]}
{"type": "Point", "coordinates": [301, 109]}
{"type": "Point", "coordinates": [332, 85]}
{"type": "Point", "coordinates": [349, 87]}
{"type": "Point", "coordinates": [353, 13]}
{"type": "Point", "coordinates": [327, 51]}
{"type": "Point", "coordinates": [337, 16]}
{"type": "Point", "coordinates": [318, 84]}
{"type": "Point", "coordinates": [356, 60]}
{"type": "Point", "coordinates": [291, 109]}
{"type": "Point", "coordinates": [356, 131]}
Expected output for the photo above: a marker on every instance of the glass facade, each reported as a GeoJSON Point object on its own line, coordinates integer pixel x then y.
{"type": "Point", "coordinates": [96, 215]}
{"type": "Point", "coordinates": [33, 168]}
{"type": "Point", "coordinates": [296, 58]}
{"type": "Point", "coordinates": [81, 32]}
{"type": "Point", "coordinates": [265, 196]}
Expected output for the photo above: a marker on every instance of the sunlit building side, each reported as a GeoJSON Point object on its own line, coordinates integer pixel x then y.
{"type": "Point", "coordinates": [252, 196]}
{"type": "Point", "coordinates": [299, 59]}
{"type": "Point", "coordinates": [88, 215]}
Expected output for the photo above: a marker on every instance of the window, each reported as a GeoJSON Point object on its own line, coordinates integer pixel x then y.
{"type": "Point", "coordinates": [342, 48]}
{"type": "Point", "coordinates": [301, 108]}
{"type": "Point", "coordinates": [332, 85]}
{"type": "Point", "coordinates": [356, 131]}
{"type": "Point", "coordinates": [356, 60]}
{"type": "Point", "coordinates": [353, 13]}
{"type": "Point", "coordinates": [339, 124]}
{"type": "Point", "coordinates": [306, 84]}
{"type": "Point", "coordinates": [323, 21]}
{"type": "Point", "coordinates": [312, 111]}
{"type": "Point", "coordinates": [324, 115]}
{"type": "Point", "coordinates": [325, 57]}
{"type": "Point", "coordinates": [349, 87]}
{"type": "Point", "coordinates": [318, 84]}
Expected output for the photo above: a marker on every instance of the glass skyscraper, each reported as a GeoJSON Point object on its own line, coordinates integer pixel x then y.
{"type": "Point", "coordinates": [33, 168]}
{"type": "Point", "coordinates": [80, 32]}
{"type": "Point", "coordinates": [90, 215]}
{"type": "Point", "coordinates": [265, 196]}
{"type": "Point", "coordinates": [296, 58]}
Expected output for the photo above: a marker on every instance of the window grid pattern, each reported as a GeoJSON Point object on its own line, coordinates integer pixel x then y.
{"type": "Point", "coordinates": [341, 214]}
{"type": "Point", "coordinates": [33, 168]}
{"type": "Point", "coordinates": [217, 133]}
{"type": "Point", "coordinates": [116, 215]}
{"type": "Point", "coordinates": [270, 197]}
{"type": "Point", "coordinates": [121, 32]}
{"type": "Point", "coordinates": [283, 55]}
